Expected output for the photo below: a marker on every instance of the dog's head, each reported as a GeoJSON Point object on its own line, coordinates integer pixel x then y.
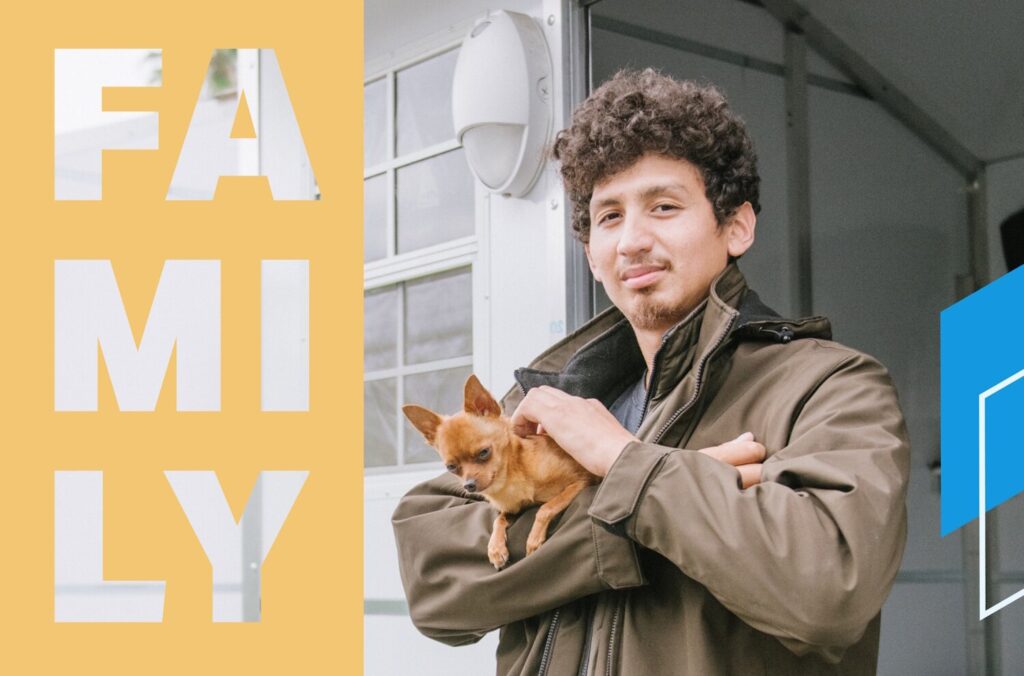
{"type": "Point", "coordinates": [473, 442]}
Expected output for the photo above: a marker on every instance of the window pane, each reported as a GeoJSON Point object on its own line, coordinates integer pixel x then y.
{"type": "Point", "coordinates": [439, 391]}
{"type": "Point", "coordinates": [424, 101]}
{"type": "Point", "coordinates": [375, 122]}
{"type": "Point", "coordinates": [435, 201]}
{"type": "Point", "coordinates": [379, 418]}
{"type": "Point", "coordinates": [439, 317]}
{"type": "Point", "coordinates": [380, 329]}
{"type": "Point", "coordinates": [375, 218]}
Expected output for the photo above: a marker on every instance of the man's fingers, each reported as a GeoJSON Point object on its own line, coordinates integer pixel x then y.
{"type": "Point", "coordinates": [740, 451]}
{"type": "Point", "coordinates": [526, 429]}
{"type": "Point", "coordinates": [526, 417]}
{"type": "Point", "coordinates": [553, 392]}
{"type": "Point", "coordinates": [522, 424]}
{"type": "Point", "coordinates": [750, 475]}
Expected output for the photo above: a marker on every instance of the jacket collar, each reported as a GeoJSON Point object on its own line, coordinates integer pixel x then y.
{"type": "Point", "coordinates": [602, 357]}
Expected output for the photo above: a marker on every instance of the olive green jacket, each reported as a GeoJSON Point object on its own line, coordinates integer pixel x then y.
{"type": "Point", "coordinates": [668, 566]}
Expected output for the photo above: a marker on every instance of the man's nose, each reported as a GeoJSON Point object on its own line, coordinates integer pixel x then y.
{"type": "Point", "coordinates": [470, 485]}
{"type": "Point", "coordinates": [634, 236]}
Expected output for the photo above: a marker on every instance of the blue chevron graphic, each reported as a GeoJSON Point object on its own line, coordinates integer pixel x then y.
{"type": "Point", "coordinates": [982, 355]}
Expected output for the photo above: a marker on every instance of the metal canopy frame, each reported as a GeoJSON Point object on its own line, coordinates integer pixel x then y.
{"type": "Point", "coordinates": [717, 53]}
{"type": "Point", "coordinates": [795, 18]}
{"type": "Point", "coordinates": [827, 43]}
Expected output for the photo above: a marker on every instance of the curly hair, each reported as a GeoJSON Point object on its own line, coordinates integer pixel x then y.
{"type": "Point", "coordinates": [640, 112]}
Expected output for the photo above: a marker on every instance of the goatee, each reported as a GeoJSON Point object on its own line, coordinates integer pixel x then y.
{"type": "Point", "coordinates": [646, 314]}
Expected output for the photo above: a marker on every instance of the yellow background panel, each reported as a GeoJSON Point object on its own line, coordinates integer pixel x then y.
{"type": "Point", "coordinates": [312, 579]}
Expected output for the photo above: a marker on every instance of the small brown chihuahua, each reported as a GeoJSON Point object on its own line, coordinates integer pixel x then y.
{"type": "Point", "coordinates": [478, 445]}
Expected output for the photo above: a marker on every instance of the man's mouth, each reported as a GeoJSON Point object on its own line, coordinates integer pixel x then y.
{"type": "Point", "coordinates": [641, 276]}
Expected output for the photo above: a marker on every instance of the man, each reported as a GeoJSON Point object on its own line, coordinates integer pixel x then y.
{"type": "Point", "coordinates": [770, 553]}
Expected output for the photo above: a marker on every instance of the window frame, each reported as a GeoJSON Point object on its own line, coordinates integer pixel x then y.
{"type": "Point", "coordinates": [464, 252]}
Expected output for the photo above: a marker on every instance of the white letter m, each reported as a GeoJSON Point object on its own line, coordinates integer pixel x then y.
{"type": "Point", "coordinates": [185, 313]}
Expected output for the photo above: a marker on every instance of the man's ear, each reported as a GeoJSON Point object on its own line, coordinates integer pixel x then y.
{"type": "Point", "coordinates": [423, 419]}
{"type": "Point", "coordinates": [590, 261]}
{"type": "Point", "coordinates": [740, 229]}
{"type": "Point", "coordinates": [478, 400]}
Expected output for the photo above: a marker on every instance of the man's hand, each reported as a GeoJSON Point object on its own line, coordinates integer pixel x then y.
{"type": "Point", "coordinates": [591, 434]}
{"type": "Point", "coordinates": [743, 453]}
{"type": "Point", "coordinates": [583, 427]}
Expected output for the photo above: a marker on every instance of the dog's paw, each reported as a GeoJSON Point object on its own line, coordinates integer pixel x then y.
{"type": "Point", "coordinates": [535, 540]}
{"type": "Point", "coordinates": [497, 555]}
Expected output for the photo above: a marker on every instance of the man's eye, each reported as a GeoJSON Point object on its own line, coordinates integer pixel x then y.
{"type": "Point", "coordinates": [451, 468]}
{"type": "Point", "coordinates": [484, 454]}
{"type": "Point", "coordinates": [665, 208]}
{"type": "Point", "coordinates": [611, 216]}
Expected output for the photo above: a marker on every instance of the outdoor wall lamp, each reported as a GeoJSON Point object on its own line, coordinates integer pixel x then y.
{"type": "Point", "coordinates": [501, 101]}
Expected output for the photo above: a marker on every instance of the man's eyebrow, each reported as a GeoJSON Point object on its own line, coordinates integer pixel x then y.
{"type": "Point", "coordinates": [605, 202]}
{"type": "Point", "coordinates": [646, 194]}
{"type": "Point", "coordinates": [658, 190]}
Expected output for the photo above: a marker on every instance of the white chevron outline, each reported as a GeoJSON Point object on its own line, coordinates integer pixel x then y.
{"type": "Point", "coordinates": [985, 611]}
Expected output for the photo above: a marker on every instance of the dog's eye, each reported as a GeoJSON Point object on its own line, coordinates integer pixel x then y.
{"type": "Point", "coordinates": [451, 468]}
{"type": "Point", "coordinates": [484, 454]}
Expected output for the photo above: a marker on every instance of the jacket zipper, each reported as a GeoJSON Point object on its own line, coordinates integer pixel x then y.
{"type": "Point", "coordinates": [549, 641]}
{"type": "Point", "coordinates": [697, 382]}
{"type": "Point", "coordinates": [654, 372]}
{"type": "Point", "coordinates": [609, 668]}
{"type": "Point", "coordinates": [588, 638]}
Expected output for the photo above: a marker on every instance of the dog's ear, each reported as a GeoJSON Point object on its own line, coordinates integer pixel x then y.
{"type": "Point", "coordinates": [423, 419]}
{"type": "Point", "coordinates": [478, 400]}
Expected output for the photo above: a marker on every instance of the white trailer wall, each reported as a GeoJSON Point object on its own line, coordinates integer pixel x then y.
{"type": "Point", "coordinates": [519, 306]}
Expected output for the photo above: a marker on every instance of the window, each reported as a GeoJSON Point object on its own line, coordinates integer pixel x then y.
{"type": "Point", "coordinates": [420, 247]}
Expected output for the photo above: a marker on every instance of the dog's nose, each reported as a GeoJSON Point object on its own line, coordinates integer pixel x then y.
{"type": "Point", "coordinates": [470, 485]}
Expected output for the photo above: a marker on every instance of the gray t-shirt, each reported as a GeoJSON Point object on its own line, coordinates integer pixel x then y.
{"type": "Point", "coordinates": [628, 409]}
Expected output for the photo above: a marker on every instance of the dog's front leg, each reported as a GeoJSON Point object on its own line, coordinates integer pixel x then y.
{"type": "Point", "coordinates": [497, 548]}
{"type": "Point", "coordinates": [548, 511]}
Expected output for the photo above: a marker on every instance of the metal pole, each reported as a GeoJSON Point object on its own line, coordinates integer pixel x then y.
{"type": "Point", "coordinates": [977, 224]}
{"type": "Point", "coordinates": [983, 637]}
{"type": "Point", "coordinates": [975, 630]}
{"type": "Point", "coordinates": [579, 283]}
{"type": "Point", "coordinates": [798, 165]}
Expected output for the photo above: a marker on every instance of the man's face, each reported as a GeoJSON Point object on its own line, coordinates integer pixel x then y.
{"type": "Point", "coordinates": [654, 242]}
